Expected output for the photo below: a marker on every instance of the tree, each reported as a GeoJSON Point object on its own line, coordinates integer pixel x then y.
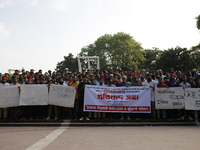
{"type": "Point", "coordinates": [198, 22]}
{"type": "Point", "coordinates": [118, 51]}
{"type": "Point", "coordinates": [195, 55]}
{"type": "Point", "coordinates": [69, 62]}
{"type": "Point", "coordinates": [151, 56]}
{"type": "Point", "coordinates": [177, 58]}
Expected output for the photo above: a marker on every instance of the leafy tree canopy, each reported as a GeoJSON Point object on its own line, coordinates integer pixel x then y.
{"type": "Point", "coordinates": [151, 57]}
{"type": "Point", "coordinates": [177, 58]}
{"type": "Point", "coordinates": [119, 51]}
{"type": "Point", "coordinates": [69, 62]}
{"type": "Point", "coordinates": [198, 22]}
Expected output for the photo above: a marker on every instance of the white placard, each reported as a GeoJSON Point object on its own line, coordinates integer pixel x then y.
{"type": "Point", "coordinates": [192, 98]}
{"type": "Point", "coordinates": [9, 96]}
{"type": "Point", "coordinates": [34, 94]}
{"type": "Point", "coordinates": [169, 98]}
{"type": "Point", "coordinates": [61, 95]}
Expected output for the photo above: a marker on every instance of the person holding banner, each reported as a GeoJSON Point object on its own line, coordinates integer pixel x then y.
{"type": "Point", "coordinates": [100, 115]}
{"type": "Point", "coordinates": [124, 83]}
{"type": "Point", "coordinates": [152, 84]}
{"type": "Point", "coordinates": [75, 84]}
{"type": "Point", "coordinates": [50, 107]}
{"type": "Point", "coordinates": [185, 113]}
{"type": "Point", "coordinates": [161, 84]}
{"type": "Point", "coordinates": [13, 110]}
{"type": "Point", "coordinates": [171, 82]}
{"type": "Point", "coordinates": [61, 111]}
{"type": "Point", "coordinates": [81, 90]}
{"type": "Point", "coordinates": [29, 111]}
{"type": "Point", "coordinates": [196, 85]}
{"type": "Point", "coordinates": [4, 110]}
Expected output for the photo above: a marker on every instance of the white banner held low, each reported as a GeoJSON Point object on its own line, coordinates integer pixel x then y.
{"type": "Point", "coordinates": [192, 98]}
{"type": "Point", "coordinates": [117, 99]}
{"type": "Point", "coordinates": [61, 95]}
{"type": "Point", "coordinates": [169, 98]}
{"type": "Point", "coordinates": [34, 95]}
{"type": "Point", "coordinates": [9, 96]}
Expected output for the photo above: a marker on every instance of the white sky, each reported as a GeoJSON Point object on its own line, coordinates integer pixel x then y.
{"type": "Point", "coordinates": [38, 33]}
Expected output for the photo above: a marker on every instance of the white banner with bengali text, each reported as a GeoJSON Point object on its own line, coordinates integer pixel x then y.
{"type": "Point", "coordinates": [169, 98]}
{"type": "Point", "coordinates": [117, 99]}
{"type": "Point", "coordinates": [192, 98]}
{"type": "Point", "coordinates": [33, 94]}
{"type": "Point", "coordinates": [9, 96]}
{"type": "Point", "coordinates": [61, 95]}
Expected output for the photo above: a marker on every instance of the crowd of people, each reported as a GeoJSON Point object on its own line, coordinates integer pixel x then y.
{"type": "Point", "coordinates": [112, 77]}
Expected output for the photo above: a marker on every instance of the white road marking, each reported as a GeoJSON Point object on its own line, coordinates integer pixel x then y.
{"type": "Point", "coordinates": [40, 145]}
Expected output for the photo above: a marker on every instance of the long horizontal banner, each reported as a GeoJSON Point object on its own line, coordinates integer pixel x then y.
{"type": "Point", "coordinates": [58, 95]}
{"type": "Point", "coordinates": [117, 99]}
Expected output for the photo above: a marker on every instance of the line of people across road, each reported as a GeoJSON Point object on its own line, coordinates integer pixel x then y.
{"type": "Point", "coordinates": [152, 79]}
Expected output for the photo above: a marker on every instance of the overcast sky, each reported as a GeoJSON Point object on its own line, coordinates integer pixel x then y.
{"type": "Point", "coordinates": [38, 33]}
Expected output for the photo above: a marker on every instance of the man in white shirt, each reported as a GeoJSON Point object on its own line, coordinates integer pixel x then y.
{"type": "Point", "coordinates": [152, 84]}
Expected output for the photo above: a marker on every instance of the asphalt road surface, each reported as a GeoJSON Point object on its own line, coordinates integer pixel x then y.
{"type": "Point", "coordinates": [100, 138]}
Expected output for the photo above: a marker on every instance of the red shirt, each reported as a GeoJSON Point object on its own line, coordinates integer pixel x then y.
{"type": "Point", "coordinates": [162, 84]}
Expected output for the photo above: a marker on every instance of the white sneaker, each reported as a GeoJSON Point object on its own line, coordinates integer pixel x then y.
{"type": "Point", "coordinates": [90, 114]}
{"type": "Point", "coordinates": [87, 118]}
{"type": "Point", "coordinates": [190, 118]}
{"type": "Point", "coordinates": [48, 118]}
{"type": "Point", "coordinates": [95, 114]}
{"type": "Point", "coordinates": [182, 118]}
{"type": "Point", "coordinates": [81, 118]}
{"type": "Point", "coordinates": [56, 118]}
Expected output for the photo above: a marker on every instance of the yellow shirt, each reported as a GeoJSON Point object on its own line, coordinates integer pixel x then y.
{"type": "Point", "coordinates": [76, 86]}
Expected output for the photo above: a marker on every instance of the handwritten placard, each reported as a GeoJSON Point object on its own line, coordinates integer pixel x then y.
{"type": "Point", "coordinates": [34, 95]}
{"type": "Point", "coordinates": [169, 98]}
{"type": "Point", "coordinates": [61, 95]}
{"type": "Point", "coordinates": [9, 96]}
{"type": "Point", "coordinates": [192, 98]}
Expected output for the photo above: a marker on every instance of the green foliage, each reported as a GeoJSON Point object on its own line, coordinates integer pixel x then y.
{"type": "Point", "coordinates": [177, 58]}
{"type": "Point", "coordinates": [151, 56]}
{"type": "Point", "coordinates": [198, 22]}
{"type": "Point", "coordinates": [118, 51]}
{"type": "Point", "coordinates": [69, 62]}
{"type": "Point", "coordinates": [195, 55]}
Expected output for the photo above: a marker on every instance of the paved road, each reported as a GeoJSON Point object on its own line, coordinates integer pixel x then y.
{"type": "Point", "coordinates": [100, 138]}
